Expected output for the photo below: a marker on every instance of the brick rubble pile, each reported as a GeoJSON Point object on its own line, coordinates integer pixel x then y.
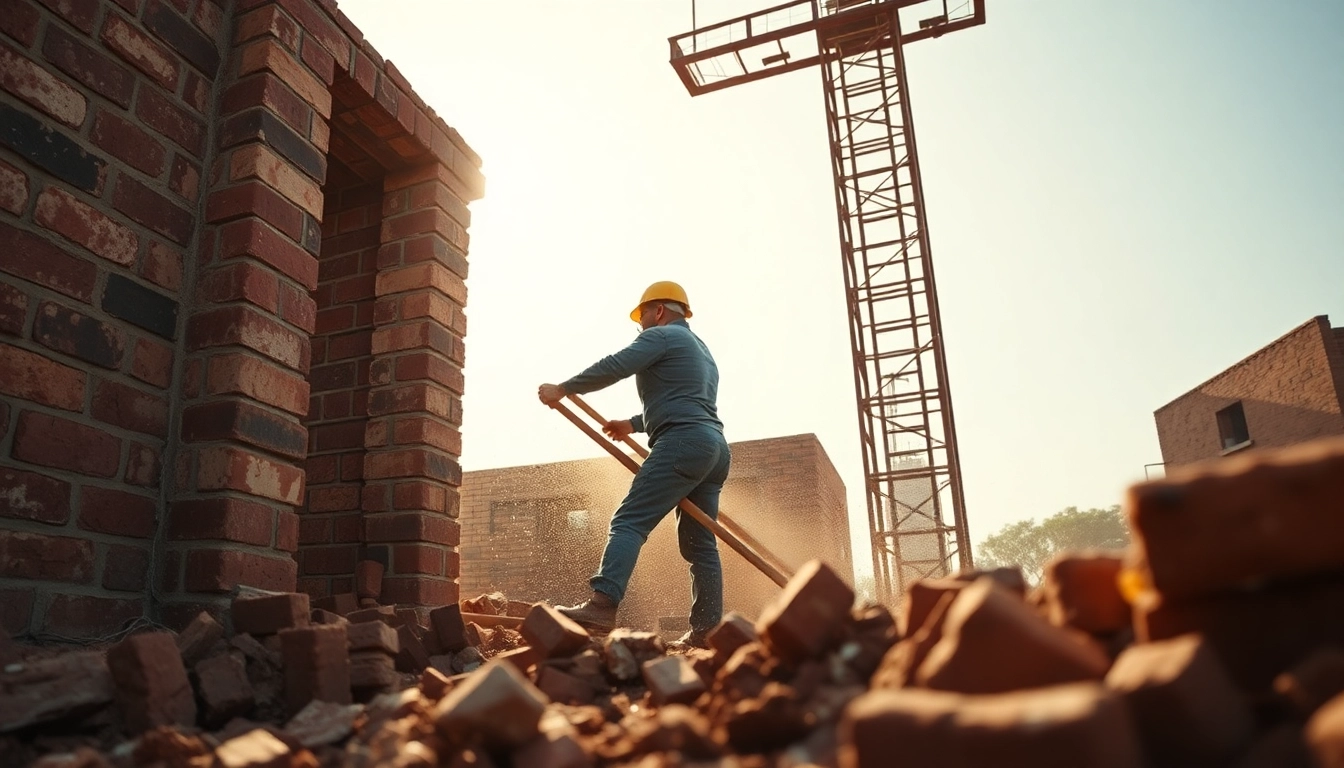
{"type": "Point", "coordinates": [1216, 640]}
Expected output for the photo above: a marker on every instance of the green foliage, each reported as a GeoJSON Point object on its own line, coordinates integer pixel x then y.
{"type": "Point", "coordinates": [1030, 546]}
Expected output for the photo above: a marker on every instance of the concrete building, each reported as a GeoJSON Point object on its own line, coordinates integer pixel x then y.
{"type": "Point", "coordinates": [537, 532]}
{"type": "Point", "coordinates": [1288, 392]}
{"type": "Point", "coordinates": [233, 248]}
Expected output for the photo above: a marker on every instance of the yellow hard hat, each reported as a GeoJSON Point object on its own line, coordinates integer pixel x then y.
{"type": "Point", "coordinates": [663, 290]}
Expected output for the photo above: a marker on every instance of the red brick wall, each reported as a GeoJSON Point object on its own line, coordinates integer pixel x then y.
{"type": "Point", "coordinates": [1290, 392]}
{"type": "Point", "coordinates": [518, 537]}
{"type": "Point", "coordinates": [103, 138]}
{"type": "Point", "coordinates": [163, 184]}
{"type": "Point", "coordinates": [331, 527]}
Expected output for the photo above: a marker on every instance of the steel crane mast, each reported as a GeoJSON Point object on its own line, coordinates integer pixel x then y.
{"type": "Point", "coordinates": [912, 473]}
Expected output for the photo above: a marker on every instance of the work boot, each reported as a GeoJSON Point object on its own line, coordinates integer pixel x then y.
{"type": "Point", "coordinates": [692, 639]}
{"type": "Point", "coordinates": [597, 614]}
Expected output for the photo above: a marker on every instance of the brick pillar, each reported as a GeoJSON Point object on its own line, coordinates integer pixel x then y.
{"type": "Point", "coordinates": [411, 469]}
{"type": "Point", "coordinates": [239, 472]}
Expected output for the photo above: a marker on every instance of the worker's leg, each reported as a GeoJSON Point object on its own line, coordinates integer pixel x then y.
{"type": "Point", "coordinates": [680, 460]}
{"type": "Point", "coordinates": [700, 548]}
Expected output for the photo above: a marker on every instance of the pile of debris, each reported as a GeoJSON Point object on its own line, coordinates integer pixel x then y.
{"type": "Point", "coordinates": [1216, 640]}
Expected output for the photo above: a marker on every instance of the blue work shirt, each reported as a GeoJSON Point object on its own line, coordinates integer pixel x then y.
{"type": "Point", "coordinates": [676, 377]}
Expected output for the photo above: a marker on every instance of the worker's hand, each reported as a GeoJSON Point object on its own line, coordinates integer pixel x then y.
{"type": "Point", "coordinates": [618, 429]}
{"type": "Point", "coordinates": [550, 394]}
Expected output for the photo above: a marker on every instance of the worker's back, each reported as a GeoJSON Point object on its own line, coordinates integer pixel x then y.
{"type": "Point", "coordinates": [682, 385]}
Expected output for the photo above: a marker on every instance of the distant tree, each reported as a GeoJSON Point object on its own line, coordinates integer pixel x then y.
{"type": "Point", "coordinates": [1030, 546]}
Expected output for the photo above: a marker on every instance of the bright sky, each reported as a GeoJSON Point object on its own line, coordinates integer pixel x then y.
{"type": "Point", "coordinates": [1123, 200]}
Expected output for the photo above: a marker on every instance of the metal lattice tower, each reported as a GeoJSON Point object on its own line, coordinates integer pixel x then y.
{"type": "Point", "coordinates": [912, 478]}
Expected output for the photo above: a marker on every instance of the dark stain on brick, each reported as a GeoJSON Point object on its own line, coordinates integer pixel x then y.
{"type": "Point", "coordinates": [262, 125]}
{"type": "Point", "coordinates": [49, 150]}
{"type": "Point", "coordinates": [177, 32]}
{"type": "Point", "coordinates": [88, 66]}
{"type": "Point", "coordinates": [128, 300]}
{"type": "Point", "coordinates": [78, 335]}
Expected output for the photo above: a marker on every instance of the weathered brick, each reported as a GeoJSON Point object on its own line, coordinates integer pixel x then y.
{"type": "Point", "coordinates": [229, 468]}
{"type": "Point", "coordinates": [128, 300]}
{"type": "Point", "coordinates": [130, 408]}
{"type": "Point", "coordinates": [214, 570]}
{"type": "Point", "coordinates": [993, 642]}
{"type": "Point", "coordinates": [181, 36]}
{"type": "Point", "coordinates": [412, 462]}
{"type": "Point", "coordinates": [125, 568]}
{"type": "Point", "coordinates": [162, 265]}
{"type": "Point", "coordinates": [152, 685]}
{"type": "Point", "coordinates": [245, 327]}
{"type": "Point", "coordinates": [80, 13]}
{"type": "Point", "coordinates": [672, 680]}
{"type": "Point", "coordinates": [141, 52]}
{"type": "Point", "coordinates": [258, 161]}
{"type": "Point", "coordinates": [232, 419]}
{"type": "Point", "coordinates": [269, 614]}
{"type": "Point", "coordinates": [54, 688]}
{"type": "Point", "coordinates": [262, 125]}
{"type": "Point", "coordinates": [50, 150]}
{"type": "Point", "coordinates": [255, 199]}
{"type": "Point", "coordinates": [268, 54]}
{"type": "Point", "coordinates": [267, 20]}
{"type": "Point", "coordinates": [208, 18]}
{"type": "Point", "coordinates": [145, 206]}
{"type": "Point", "coordinates": [35, 85]}
{"type": "Point", "coordinates": [78, 335]}
{"type": "Point", "coordinates": [117, 512]}
{"type": "Point", "coordinates": [298, 307]}
{"type": "Point", "coordinates": [163, 115]}
{"type": "Point", "coordinates": [266, 90]}
{"type": "Point", "coordinates": [368, 578]}
{"type": "Point", "coordinates": [81, 223]}
{"type": "Point", "coordinates": [223, 519]}
{"type": "Point", "coordinates": [448, 627]}
{"type": "Point", "coordinates": [92, 68]}
{"type": "Point", "coordinates": [732, 633]}
{"type": "Point", "coordinates": [30, 496]}
{"type": "Point", "coordinates": [562, 687]}
{"type": "Point", "coordinates": [50, 441]}
{"type": "Point", "coordinates": [184, 179]}
{"type": "Point", "coordinates": [20, 22]}
{"type": "Point", "coordinates": [152, 363]}
{"type": "Point", "coordinates": [33, 377]}
{"type": "Point", "coordinates": [259, 379]}
{"type": "Point", "coordinates": [373, 636]}
{"type": "Point", "coordinates": [242, 281]}
{"type": "Point", "coordinates": [142, 465]}
{"type": "Point", "coordinates": [48, 558]}
{"type": "Point", "coordinates": [252, 237]}
{"type": "Point", "coordinates": [127, 142]}
{"type": "Point", "coordinates": [412, 526]}
{"type": "Point", "coordinates": [13, 189]}
{"type": "Point", "coordinates": [197, 639]}
{"type": "Point", "coordinates": [341, 604]}
{"type": "Point", "coordinates": [317, 665]}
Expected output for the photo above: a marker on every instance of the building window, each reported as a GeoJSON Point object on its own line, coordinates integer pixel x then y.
{"type": "Point", "coordinates": [1232, 431]}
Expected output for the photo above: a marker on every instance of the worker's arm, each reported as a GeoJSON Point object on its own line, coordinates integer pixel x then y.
{"type": "Point", "coordinates": [647, 348]}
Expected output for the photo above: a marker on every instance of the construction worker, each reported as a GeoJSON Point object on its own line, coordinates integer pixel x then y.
{"type": "Point", "coordinates": [678, 384]}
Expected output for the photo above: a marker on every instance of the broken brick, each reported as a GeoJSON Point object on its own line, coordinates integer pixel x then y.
{"type": "Point", "coordinates": [199, 637]}
{"type": "Point", "coordinates": [323, 722]}
{"type": "Point", "coordinates": [993, 642]}
{"type": "Point", "coordinates": [493, 604]}
{"type": "Point", "coordinates": [369, 579]}
{"type": "Point", "coordinates": [152, 684]}
{"type": "Point", "coordinates": [496, 704]}
{"type": "Point", "coordinates": [563, 687]}
{"type": "Point", "coordinates": [1079, 724]}
{"type": "Point", "coordinates": [1082, 591]}
{"type": "Point", "coordinates": [897, 668]}
{"type": "Point", "coordinates": [372, 671]}
{"type": "Point", "coordinates": [672, 680]}
{"type": "Point", "coordinates": [433, 683]}
{"type": "Point", "coordinates": [552, 633]}
{"type": "Point", "coordinates": [1247, 519]}
{"type": "Point", "coordinates": [268, 614]}
{"type": "Point", "coordinates": [806, 616]}
{"type": "Point", "coordinates": [449, 629]}
{"type": "Point", "coordinates": [324, 616]}
{"type": "Point", "coordinates": [69, 685]}
{"type": "Point", "coordinates": [627, 649]}
{"type": "Point", "coordinates": [343, 604]}
{"type": "Point", "coordinates": [732, 633]}
{"type": "Point", "coordinates": [920, 599]}
{"type": "Point", "coordinates": [1186, 709]}
{"type": "Point", "coordinates": [372, 636]}
{"type": "Point", "coordinates": [316, 665]}
{"type": "Point", "coordinates": [384, 613]}
{"type": "Point", "coordinates": [522, 657]}
{"type": "Point", "coordinates": [412, 657]}
{"type": "Point", "coordinates": [223, 687]}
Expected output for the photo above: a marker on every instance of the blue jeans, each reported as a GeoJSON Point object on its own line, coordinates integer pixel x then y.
{"type": "Point", "coordinates": [687, 462]}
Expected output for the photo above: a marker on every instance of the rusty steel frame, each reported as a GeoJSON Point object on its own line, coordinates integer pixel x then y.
{"type": "Point", "coordinates": [912, 473]}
